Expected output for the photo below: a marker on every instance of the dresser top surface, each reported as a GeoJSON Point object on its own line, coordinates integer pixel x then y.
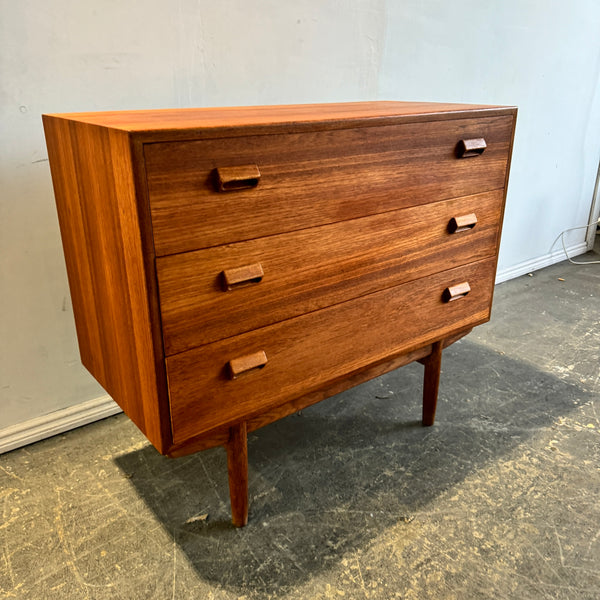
{"type": "Point", "coordinates": [284, 117]}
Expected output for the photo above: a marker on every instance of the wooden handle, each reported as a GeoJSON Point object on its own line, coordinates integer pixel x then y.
{"type": "Point", "coordinates": [244, 364]}
{"type": "Point", "coordinates": [242, 276]}
{"type": "Point", "coordinates": [237, 178]}
{"type": "Point", "coordinates": [462, 223]}
{"type": "Point", "coordinates": [468, 148]}
{"type": "Point", "coordinates": [456, 292]}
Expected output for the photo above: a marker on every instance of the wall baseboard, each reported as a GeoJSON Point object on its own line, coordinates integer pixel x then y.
{"type": "Point", "coordinates": [56, 422]}
{"type": "Point", "coordinates": [539, 263]}
{"type": "Point", "coordinates": [65, 419]}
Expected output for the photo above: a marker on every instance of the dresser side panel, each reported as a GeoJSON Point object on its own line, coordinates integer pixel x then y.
{"type": "Point", "coordinates": [76, 253]}
{"type": "Point", "coordinates": [92, 170]}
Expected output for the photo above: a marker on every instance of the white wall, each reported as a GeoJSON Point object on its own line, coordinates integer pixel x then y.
{"type": "Point", "coordinates": [66, 55]}
{"type": "Point", "coordinates": [543, 56]}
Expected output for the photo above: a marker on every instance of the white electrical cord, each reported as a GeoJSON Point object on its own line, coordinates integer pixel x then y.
{"type": "Point", "coordinates": [562, 239]}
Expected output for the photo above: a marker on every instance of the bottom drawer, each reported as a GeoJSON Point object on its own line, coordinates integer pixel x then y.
{"type": "Point", "coordinates": [229, 380]}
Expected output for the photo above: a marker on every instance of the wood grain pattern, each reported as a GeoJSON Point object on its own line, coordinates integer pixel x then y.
{"type": "Point", "coordinates": [343, 339]}
{"type": "Point", "coordinates": [313, 268]}
{"type": "Point", "coordinates": [92, 172]}
{"type": "Point", "coordinates": [346, 174]}
{"type": "Point", "coordinates": [195, 123]}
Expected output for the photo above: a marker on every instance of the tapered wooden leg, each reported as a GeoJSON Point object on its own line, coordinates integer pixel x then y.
{"type": "Point", "coordinates": [431, 382]}
{"type": "Point", "coordinates": [237, 467]}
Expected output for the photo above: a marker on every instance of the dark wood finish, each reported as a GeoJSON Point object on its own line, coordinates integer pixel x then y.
{"type": "Point", "coordinates": [347, 174]}
{"type": "Point", "coordinates": [231, 266]}
{"type": "Point", "coordinates": [315, 268]}
{"type": "Point", "coordinates": [431, 382]}
{"type": "Point", "coordinates": [471, 148]}
{"type": "Point", "coordinates": [237, 467]}
{"type": "Point", "coordinates": [237, 178]}
{"type": "Point", "coordinates": [312, 350]}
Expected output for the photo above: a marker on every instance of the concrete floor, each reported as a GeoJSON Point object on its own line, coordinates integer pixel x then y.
{"type": "Point", "coordinates": [352, 498]}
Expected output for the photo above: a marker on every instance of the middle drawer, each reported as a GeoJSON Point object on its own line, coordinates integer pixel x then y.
{"type": "Point", "coordinates": [220, 292]}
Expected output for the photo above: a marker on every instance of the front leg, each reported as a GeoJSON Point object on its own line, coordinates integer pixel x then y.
{"type": "Point", "coordinates": [237, 467]}
{"type": "Point", "coordinates": [431, 382]}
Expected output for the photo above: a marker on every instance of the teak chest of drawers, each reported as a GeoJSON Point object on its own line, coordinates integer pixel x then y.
{"type": "Point", "coordinates": [231, 266]}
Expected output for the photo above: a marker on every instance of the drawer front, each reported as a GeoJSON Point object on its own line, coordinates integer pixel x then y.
{"type": "Point", "coordinates": [239, 377]}
{"type": "Point", "coordinates": [311, 179]}
{"type": "Point", "coordinates": [220, 292]}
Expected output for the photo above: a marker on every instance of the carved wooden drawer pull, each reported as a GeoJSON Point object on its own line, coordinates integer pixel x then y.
{"type": "Point", "coordinates": [468, 148]}
{"type": "Point", "coordinates": [456, 292]}
{"type": "Point", "coordinates": [462, 223]}
{"type": "Point", "coordinates": [242, 276]}
{"type": "Point", "coordinates": [230, 179]}
{"type": "Point", "coordinates": [245, 364]}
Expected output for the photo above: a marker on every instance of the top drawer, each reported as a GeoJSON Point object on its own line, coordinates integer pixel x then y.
{"type": "Point", "coordinates": [314, 178]}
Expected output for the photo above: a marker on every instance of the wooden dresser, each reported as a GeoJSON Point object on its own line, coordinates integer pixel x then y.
{"type": "Point", "coordinates": [231, 266]}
